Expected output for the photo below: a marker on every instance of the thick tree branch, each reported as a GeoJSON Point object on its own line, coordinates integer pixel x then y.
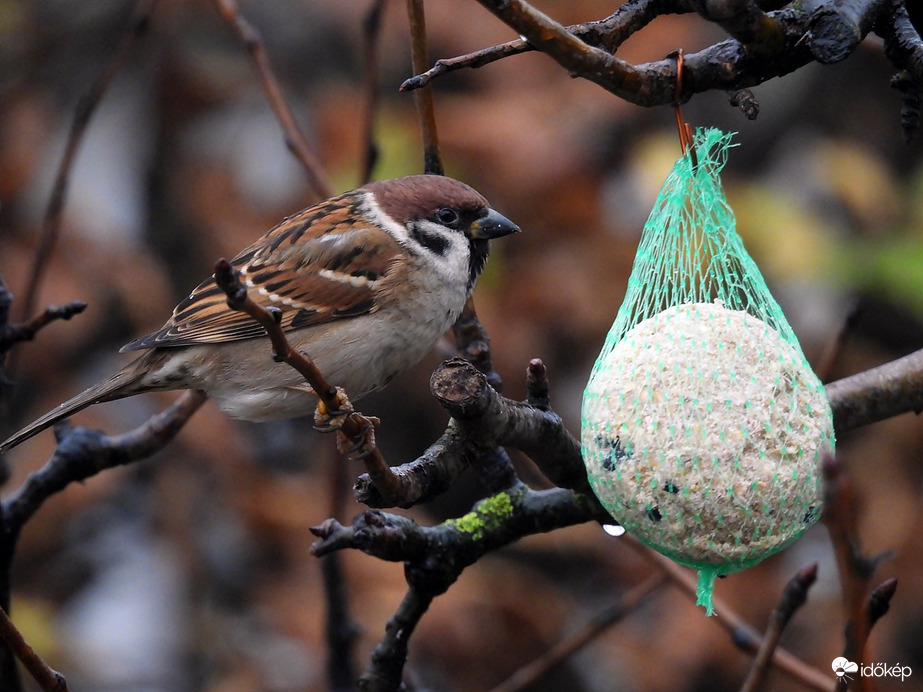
{"type": "Point", "coordinates": [745, 21]}
{"type": "Point", "coordinates": [82, 453]}
{"type": "Point", "coordinates": [608, 33]}
{"type": "Point", "coordinates": [877, 394]}
{"type": "Point", "coordinates": [765, 45]}
{"type": "Point", "coordinates": [837, 28]}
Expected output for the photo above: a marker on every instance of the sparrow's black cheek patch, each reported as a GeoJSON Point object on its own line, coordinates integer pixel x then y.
{"type": "Point", "coordinates": [434, 242]}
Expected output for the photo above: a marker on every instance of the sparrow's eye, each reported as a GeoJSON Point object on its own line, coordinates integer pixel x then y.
{"type": "Point", "coordinates": [448, 217]}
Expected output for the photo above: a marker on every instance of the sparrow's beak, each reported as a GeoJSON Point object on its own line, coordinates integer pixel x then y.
{"type": "Point", "coordinates": [493, 225]}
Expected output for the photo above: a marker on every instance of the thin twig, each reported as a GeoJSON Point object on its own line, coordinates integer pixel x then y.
{"type": "Point", "coordinates": [793, 597]}
{"type": "Point", "coordinates": [432, 161]}
{"type": "Point", "coordinates": [855, 568]}
{"type": "Point", "coordinates": [13, 333]}
{"type": "Point", "coordinates": [228, 280]}
{"type": "Point", "coordinates": [530, 674]}
{"type": "Point", "coordinates": [48, 679]}
{"type": "Point", "coordinates": [371, 31]}
{"type": "Point", "coordinates": [608, 33]}
{"type": "Point", "coordinates": [355, 432]}
{"type": "Point", "coordinates": [51, 223]}
{"type": "Point", "coordinates": [294, 139]}
{"type": "Point", "coordinates": [834, 350]}
{"type": "Point", "coordinates": [743, 635]}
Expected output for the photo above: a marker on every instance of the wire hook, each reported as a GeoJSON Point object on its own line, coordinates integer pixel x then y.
{"type": "Point", "coordinates": [685, 130]}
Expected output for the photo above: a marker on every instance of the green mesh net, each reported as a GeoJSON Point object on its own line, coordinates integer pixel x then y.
{"type": "Point", "coordinates": [703, 424]}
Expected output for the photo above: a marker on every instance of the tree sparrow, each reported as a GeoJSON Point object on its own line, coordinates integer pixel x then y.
{"type": "Point", "coordinates": [367, 282]}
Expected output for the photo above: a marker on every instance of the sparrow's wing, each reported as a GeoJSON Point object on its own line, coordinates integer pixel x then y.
{"type": "Point", "coordinates": [314, 271]}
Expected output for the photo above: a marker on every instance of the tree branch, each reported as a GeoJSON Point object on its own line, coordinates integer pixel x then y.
{"type": "Point", "coordinates": [855, 568]}
{"type": "Point", "coordinates": [608, 33]}
{"type": "Point", "coordinates": [294, 139]}
{"type": "Point", "coordinates": [742, 634]}
{"type": "Point", "coordinates": [836, 29]}
{"type": "Point", "coordinates": [877, 394]}
{"type": "Point", "coordinates": [432, 161]}
{"type": "Point", "coordinates": [793, 597]}
{"type": "Point", "coordinates": [766, 45]}
{"type": "Point", "coordinates": [82, 453]}
{"type": "Point", "coordinates": [531, 674]}
{"type": "Point", "coordinates": [48, 680]}
{"type": "Point", "coordinates": [51, 223]}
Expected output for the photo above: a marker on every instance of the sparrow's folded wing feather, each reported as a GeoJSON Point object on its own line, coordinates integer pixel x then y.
{"type": "Point", "coordinates": [312, 280]}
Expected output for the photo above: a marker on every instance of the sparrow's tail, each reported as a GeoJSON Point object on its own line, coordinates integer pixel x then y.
{"type": "Point", "coordinates": [122, 384]}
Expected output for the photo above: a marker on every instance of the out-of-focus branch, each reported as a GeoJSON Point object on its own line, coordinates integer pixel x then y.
{"type": "Point", "coordinates": [51, 223]}
{"type": "Point", "coordinates": [742, 634]}
{"type": "Point", "coordinates": [371, 37]}
{"type": "Point", "coordinates": [11, 334]}
{"type": "Point", "coordinates": [793, 597]}
{"type": "Point", "coordinates": [432, 161]}
{"type": "Point", "coordinates": [529, 675]}
{"type": "Point", "coordinates": [473, 343]}
{"type": "Point", "coordinates": [82, 453]}
{"type": "Point", "coordinates": [48, 680]}
{"type": "Point", "coordinates": [855, 568]}
{"type": "Point", "coordinates": [877, 394]}
{"type": "Point", "coordinates": [26, 331]}
{"type": "Point", "coordinates": [294, 139]}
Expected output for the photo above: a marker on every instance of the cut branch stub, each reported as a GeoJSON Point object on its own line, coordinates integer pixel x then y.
{"type": "Point", "coordinates": [459, 387]}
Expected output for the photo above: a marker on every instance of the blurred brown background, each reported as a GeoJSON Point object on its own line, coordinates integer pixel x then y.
{"type": "Point", "coordinates": [191, 571]}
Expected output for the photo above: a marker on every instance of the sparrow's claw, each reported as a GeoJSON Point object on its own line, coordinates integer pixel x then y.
{"type": "Point", "coordinates": [327, 420]}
